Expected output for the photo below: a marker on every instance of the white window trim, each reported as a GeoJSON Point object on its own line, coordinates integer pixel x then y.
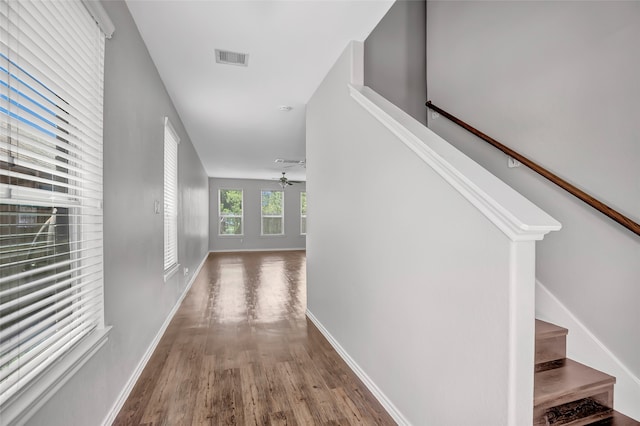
{"type": "Point", "coordinates": [171, 270]}
{"type": "Point", "coordinates": [262, 216]}
{"type": "Point", "coordinates": [168, 273]}
{"type": "Point", "coordinates": [19, 408]}
{"type": "Point", "coordinates": [31, 396]}
{"type": "Point", "coordinates": [241, 216]}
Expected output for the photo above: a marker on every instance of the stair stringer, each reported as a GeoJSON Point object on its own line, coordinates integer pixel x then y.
{"type": "Point", "coordinates": [583, 346]}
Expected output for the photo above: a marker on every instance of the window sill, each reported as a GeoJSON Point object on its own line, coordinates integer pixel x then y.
{"type": "Point", "coordinates": [168, 273]}
{"type": "Point", "coordinates": [231, 235]}
{"type": "Point", "coordinates": [21, 406]}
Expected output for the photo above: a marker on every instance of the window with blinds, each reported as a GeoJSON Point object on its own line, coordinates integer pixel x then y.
{"type": "Point", "coordinates": [171, 141]}
{"type": "Point", "coordinates": [51, 284]}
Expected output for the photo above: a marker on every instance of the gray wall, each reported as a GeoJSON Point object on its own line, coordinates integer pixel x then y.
{"type": "Point", "coordinates": [557, 81]}
{"type": "Point", "coordinates": [252, 240]}
{"type": "Point", "coordinates": [395, 57]}
{"type": "Point", "coordinates": [137, 300]}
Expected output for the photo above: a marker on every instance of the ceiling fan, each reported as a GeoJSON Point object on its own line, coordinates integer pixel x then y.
{"type": "Point", "coordinates": [284, 182]}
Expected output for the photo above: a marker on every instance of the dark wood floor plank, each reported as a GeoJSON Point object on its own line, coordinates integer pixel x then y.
{"type": "Point", "coordinates": [256, 400]}
{"type": "Point", "coordinates": [349, 409]}
{"type": "Point", "coordinates": [240, 351]}
{"type": "Point", "coordinates": [174, 394]}
{"type": "Point", "coordinates": [227, 398]}
{"type": "Point", "coordinates": [203, 412]}
{"type": "Point", "coordinates": [317, 389]}
{"type": "Point", "coordinates": [296, 397]}
{"type": "Point", "coordinates": [283, 418]}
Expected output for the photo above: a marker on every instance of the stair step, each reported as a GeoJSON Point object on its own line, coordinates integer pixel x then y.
{"type": "Point", "coordinates": [618, 419]}
{"type": "Point", "coordinates": [545, 330]}
{"type": "Point", "coordinates": [551, 345]}
{"type": "Point", "coordinates": [571, 382]}
{"type": "Point", "coordinates": [577, 413]}
{"type": "Point", "coordinates": [567, 393]}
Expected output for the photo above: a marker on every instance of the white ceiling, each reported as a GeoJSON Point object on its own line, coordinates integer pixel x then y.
{"type": "Point", "coordinates": [230, 112]}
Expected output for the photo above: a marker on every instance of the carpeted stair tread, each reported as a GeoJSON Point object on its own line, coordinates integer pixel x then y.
{"type": "Point", "coordinates": [582, 412]}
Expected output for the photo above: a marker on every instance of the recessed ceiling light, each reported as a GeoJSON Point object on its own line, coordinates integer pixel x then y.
{"type": "Point", "coordinates": [286, 108]}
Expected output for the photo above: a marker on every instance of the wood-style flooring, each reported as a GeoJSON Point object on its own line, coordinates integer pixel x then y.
{"type": "Point", "coordinates": [240, 351]}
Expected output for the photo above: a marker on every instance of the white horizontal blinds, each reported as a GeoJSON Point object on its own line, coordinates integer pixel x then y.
{"type": "Point", "coordinates": [171, 141]}
{"type": "Point", "coordinates": [51, 89]}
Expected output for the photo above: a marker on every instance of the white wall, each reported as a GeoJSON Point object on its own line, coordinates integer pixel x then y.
{"type": "Point", "coordinates": [252, 240]}
{"type": "Point", "coordinates": [407, 276]}
{"type": "Point", "coordinates": [558, 82]}
{"type": "Point", "coordinates": [137, 300]}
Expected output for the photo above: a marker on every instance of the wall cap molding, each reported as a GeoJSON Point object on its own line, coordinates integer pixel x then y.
{"type": "Point", "coordinates": [510, 211]}
{"type": "Point", "coordinates": [506, 208]}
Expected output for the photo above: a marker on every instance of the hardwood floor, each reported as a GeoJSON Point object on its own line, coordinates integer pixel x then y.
{"type": "Point", "coordinates": [240, 351]}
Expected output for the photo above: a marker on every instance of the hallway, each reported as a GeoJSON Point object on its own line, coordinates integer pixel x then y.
{"type": "Point", "coordinates": [240, 351]}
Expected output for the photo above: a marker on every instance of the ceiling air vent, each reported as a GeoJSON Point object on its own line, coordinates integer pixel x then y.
{"type": "Point", "coordinates": [232, 58]}
{"type": "Point", "coordinates": [284, 161]}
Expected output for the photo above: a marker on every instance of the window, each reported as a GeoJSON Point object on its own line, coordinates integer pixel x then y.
{"type": "Point", "coordinates": [171, 141]}
{"type": "Point", "coordinates": [303, 213]}
{"type": "Point", "coordinates": [230, 211]}
{"type": "Point", "coordinates": [51, 285]}
{"type": "Point", "coordinates": [272, 212]}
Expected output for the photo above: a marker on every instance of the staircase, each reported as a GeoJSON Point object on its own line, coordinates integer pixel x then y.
{"type": "Point", "coordinates": [567, 392]}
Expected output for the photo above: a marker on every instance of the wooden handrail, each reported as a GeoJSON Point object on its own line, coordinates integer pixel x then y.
{"type": "Point", "coordinates": [593, 202]}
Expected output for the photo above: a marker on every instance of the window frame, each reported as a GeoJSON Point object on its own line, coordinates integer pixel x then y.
{"type": "Point", "coordinates": [281, 215]}
{"type": "Point", "coordinates": [171, 177]}
{"type": "Point", "coordinates": [303, 215]}
{"type": "Point", "coordinates": [221, 215]}
{"type": "Point", "coordinates": [67, 352]}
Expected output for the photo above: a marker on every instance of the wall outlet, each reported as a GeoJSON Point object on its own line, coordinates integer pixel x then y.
{"type": "Point", "coordinates": [156, 207]}
{"type": "Point", "coordinates": [186, 271]}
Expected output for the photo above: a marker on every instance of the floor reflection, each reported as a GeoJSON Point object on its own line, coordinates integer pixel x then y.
{"type": "Point", "coordinates": [257, 288]}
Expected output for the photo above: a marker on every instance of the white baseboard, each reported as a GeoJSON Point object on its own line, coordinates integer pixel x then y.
{"type": "Point", "coordinates": [583, 346]}
{"type": "Point", "coordinates": [117, 406]}
{"type": "Point", "coordinates": [247, 250]}
{"type": "Point", "coordinates": [373, 388]}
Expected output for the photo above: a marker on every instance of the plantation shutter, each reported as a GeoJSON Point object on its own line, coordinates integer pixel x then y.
{"type": "Point", "coordinates": [51, 93]}
{"type": "Point", "coordinates": [171, 141]}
